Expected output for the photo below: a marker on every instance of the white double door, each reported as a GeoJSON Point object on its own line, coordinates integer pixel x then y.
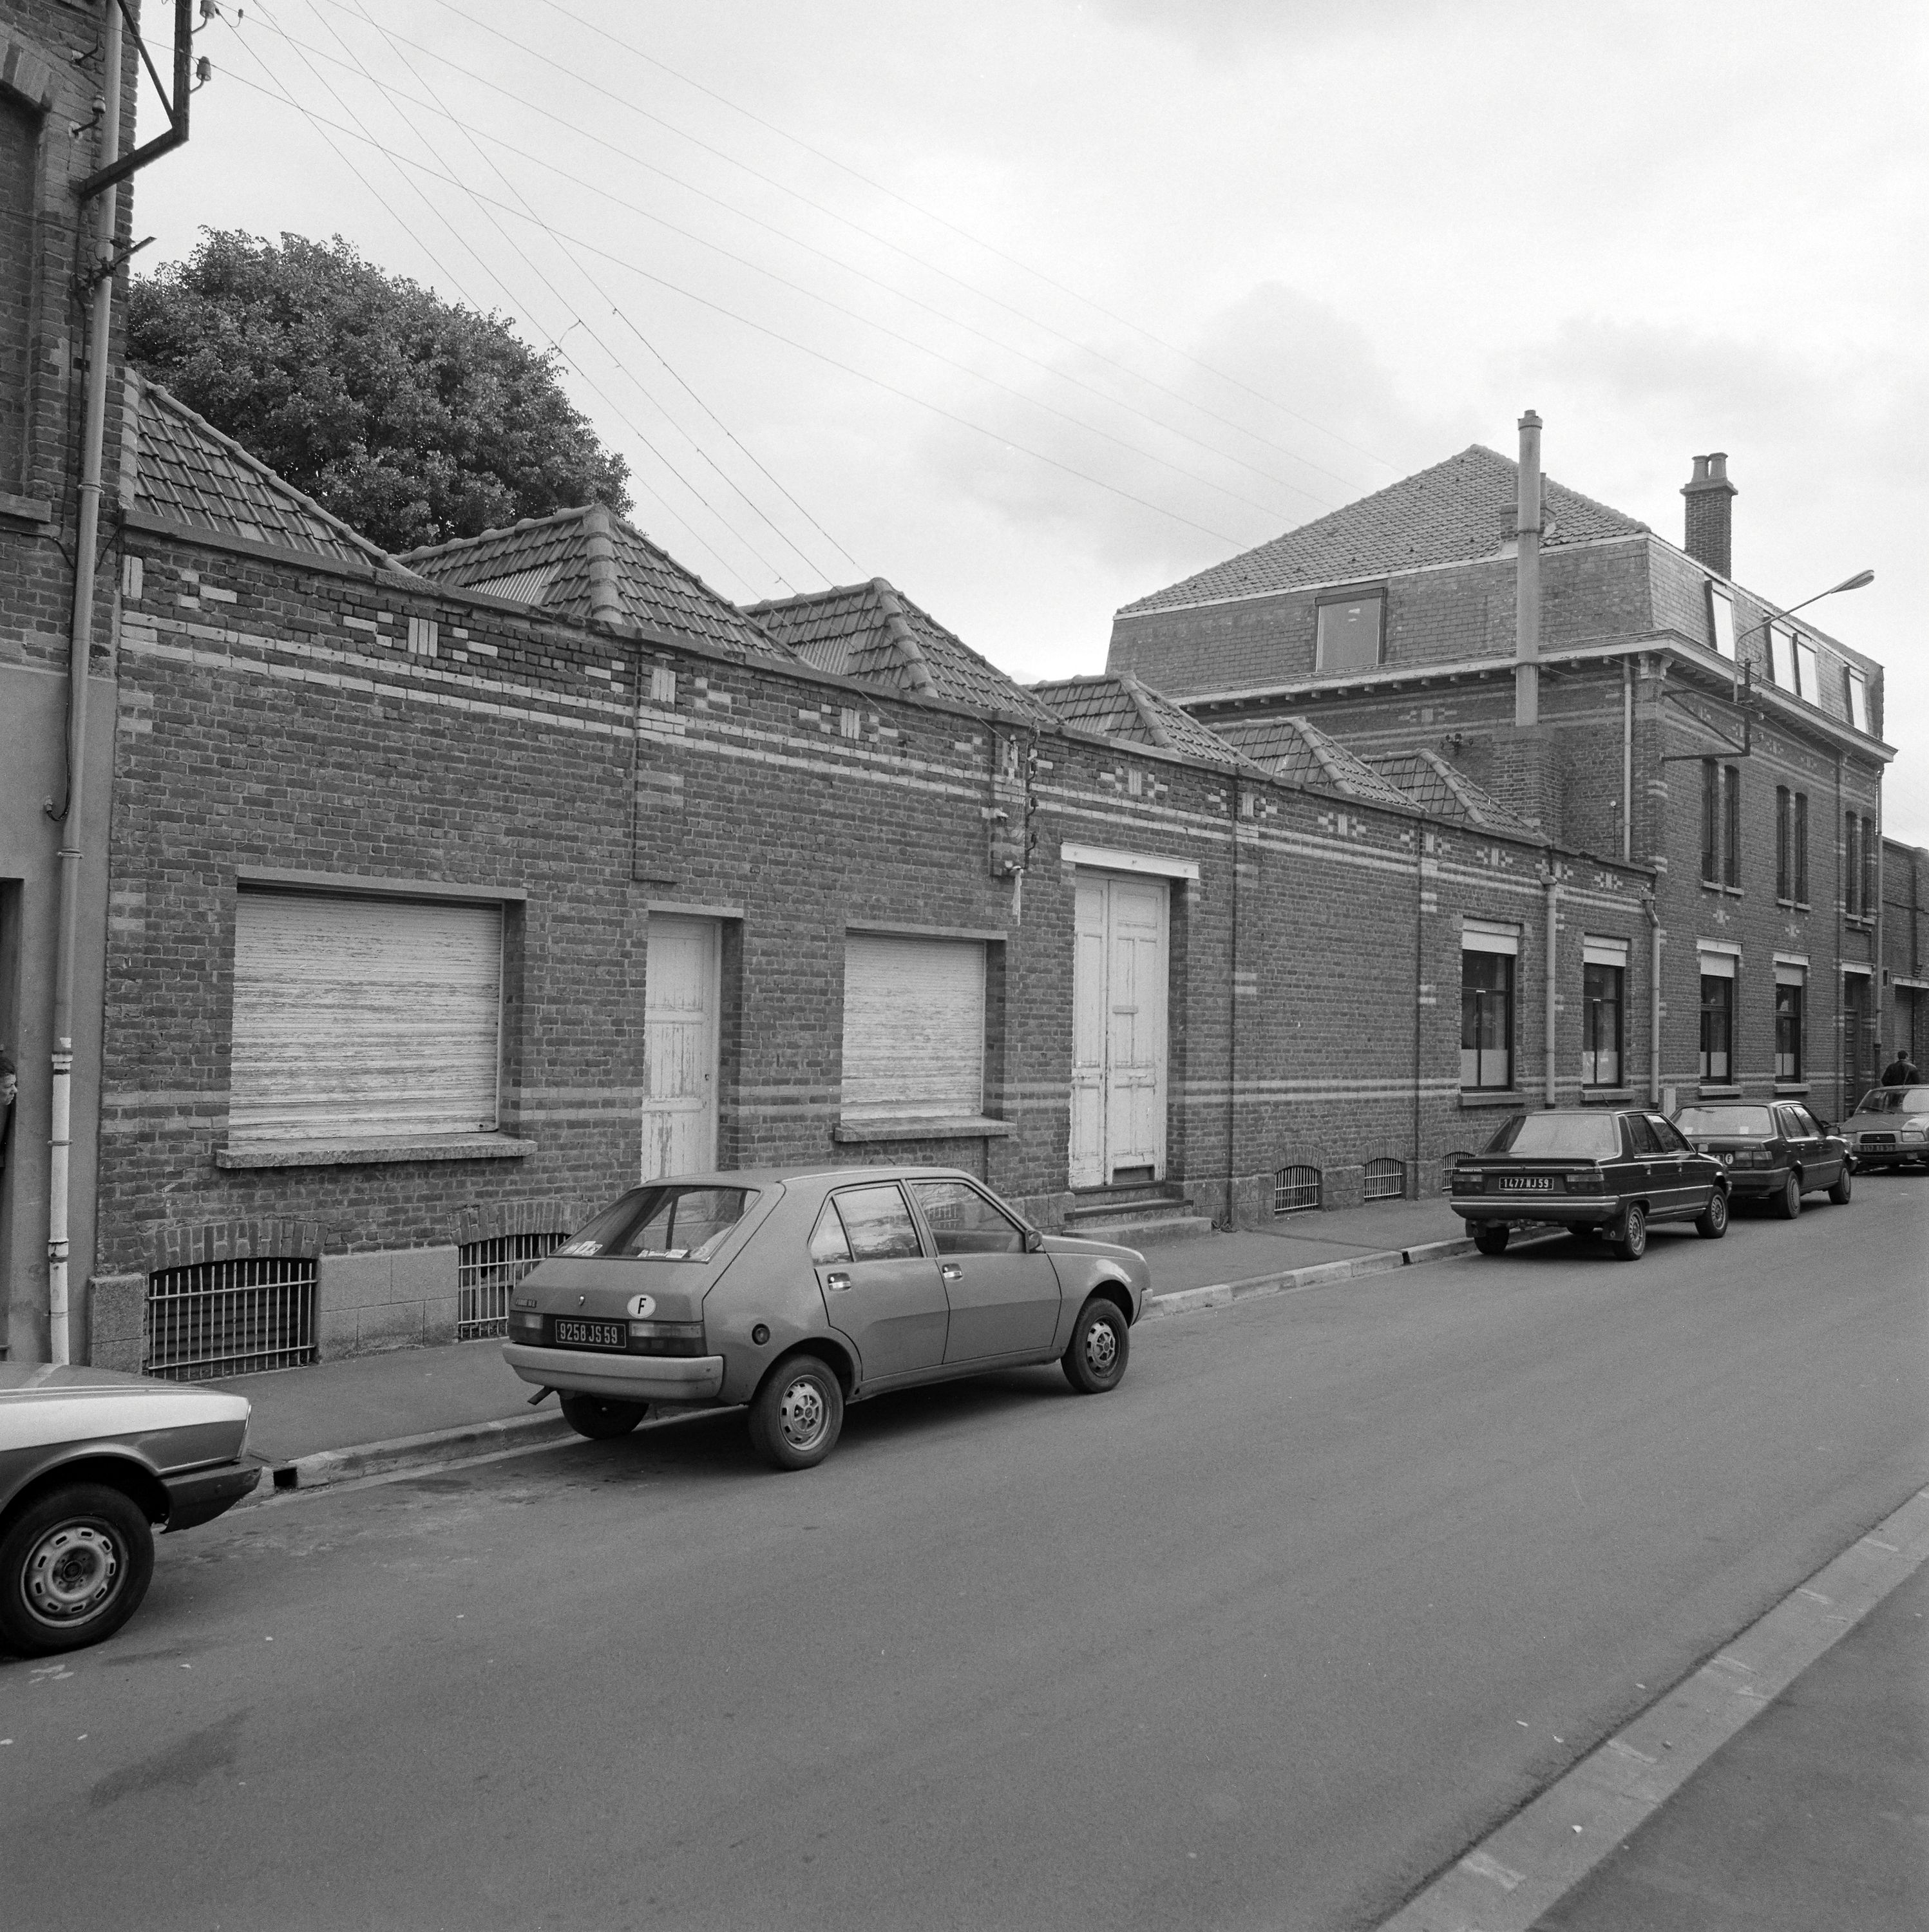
{"type": "Point", "coordinates": [1118, 1029]}
{"type": "Point", "coordinates": [680, 1000]}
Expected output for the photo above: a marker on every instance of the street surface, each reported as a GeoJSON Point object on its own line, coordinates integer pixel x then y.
{"type": "Point", "coordinates": [1329, 1586]}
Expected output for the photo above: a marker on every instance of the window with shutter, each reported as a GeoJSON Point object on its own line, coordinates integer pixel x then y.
{"type": "Point", "coordinates": [361, 1019]}
{"type": "Point", "coordinates": [914, 1027]}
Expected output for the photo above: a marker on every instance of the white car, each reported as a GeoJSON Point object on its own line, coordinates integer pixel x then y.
{"type": "Point", "coordinates": [1890, 1127]}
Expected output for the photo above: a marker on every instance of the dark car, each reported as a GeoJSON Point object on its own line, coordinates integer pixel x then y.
{"type": "Point", "coordinates": [1775, 1151]}
{"type": "Point", "coordinates": [1593, 1170]}
{"type": "Point", "coordinates": [1890, 1127]}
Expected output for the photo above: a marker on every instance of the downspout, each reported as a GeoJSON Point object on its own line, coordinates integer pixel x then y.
{"type": "Point", "coordinates": [1841, 1003]}
{"type": "Point", "coordinates": [1551, 878]}
{"type": "Point", "coordinates": [1232, 1011]}
{"type": "Point", "coordinates": [79, 648]}
{"type": "Point", "coordinates": [1651, 901]}
{"type": "Point", "coordinates": [1527, 577]}
{"type": "Point", "coordinates": [1627, 759]}
{"type": "Point", "coordinates": [1419, 982]}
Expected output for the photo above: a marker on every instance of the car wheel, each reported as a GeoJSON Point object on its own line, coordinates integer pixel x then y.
{"type": "Point", "coordinates": [590, 1415]}
{"type": "Point", "coordinates": [1491, 1241]}
{"type": "Point", "coordinates": [1094, 1360]}
{"type": "Point", "coordinates": [797, 1415]}
{"type": "Point", "coordinates": [1712, 1223]}
{"type": "Point", "coordinates": [1843, 1187]}
{"type": "Point", "coordinates": [1788, 1202]}
{"type": "Point", "coordinates": [73, 1568]}
{"type": "Point", "coordinates": [1631, 1242]}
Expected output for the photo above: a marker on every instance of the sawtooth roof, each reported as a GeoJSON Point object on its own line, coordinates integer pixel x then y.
{"type": "Point", "coordinates": [1437, 788]}
{"type": "Point", "coordinates": [545, 561]}
{"type": "Point", "coordinates": [1298, 751]}
{"type": "Point", "coordinates": [873, 633]}
{"type": "Point", "coordinates": [1121, 707]}
{"type": "Point", "coordinates": [179, 467]}
{"type": "Point", "coordinates": [1450, 514]}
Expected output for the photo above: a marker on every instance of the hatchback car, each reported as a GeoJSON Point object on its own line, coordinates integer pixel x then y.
{"type": "Point", "coordinates": [1596, 1171]}
{"type": "Point", "coordinates": [1774, 1151]}
{"type": "Point", "coordinates": [796, 1292]}
{"type": "Point", "coordinates": [1890, 1127]}
{"type": "Point", "coordinates": [89, 1459]}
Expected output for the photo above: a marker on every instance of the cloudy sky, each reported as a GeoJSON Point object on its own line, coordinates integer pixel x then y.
{"type": "Point", "coordinates": [1033, 306]}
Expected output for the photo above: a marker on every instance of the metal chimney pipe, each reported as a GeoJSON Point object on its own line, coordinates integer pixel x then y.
{"type": "Point", "coordinates": [1527, 578]}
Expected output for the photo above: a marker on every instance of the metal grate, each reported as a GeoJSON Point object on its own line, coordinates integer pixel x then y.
{"type": "Point", "coordinates": [1386, 1180]}
{"type": "Point", "coordinates": [487, 1272]}
{"type": "Point", "coordinates": [230, 1318]}
{"type": "Point", "coordinates": [1294, 1188]}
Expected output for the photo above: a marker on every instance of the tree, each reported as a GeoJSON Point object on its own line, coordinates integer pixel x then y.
{"type": "Point", "coordinates": [413, 419]}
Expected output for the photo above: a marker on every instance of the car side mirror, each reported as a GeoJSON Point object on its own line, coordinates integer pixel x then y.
{"type": "Point", "coordinates": [1034, 1242]}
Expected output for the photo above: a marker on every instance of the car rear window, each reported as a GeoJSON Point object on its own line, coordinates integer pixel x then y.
{"type": "Point", "coordinates": [664, 1224]}
{"type": "Point", "coordinates": [1895, 1100]}
{"type": "Point", "coordinates": [1559, 1136]}
{"type": "Point", "coordinates": [1722, 1122]}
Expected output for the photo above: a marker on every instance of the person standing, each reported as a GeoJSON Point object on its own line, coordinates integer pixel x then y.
{"type": "Point", "coordinates": [1900, 1072]}
{"type": "Point", "coordinates": [10, 1088]}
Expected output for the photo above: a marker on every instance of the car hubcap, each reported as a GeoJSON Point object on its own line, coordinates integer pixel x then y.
{"type": "Point", "coordinates": [1101, 1348]}
{"type": "Point", "coordinates": [71, 1572]}
{"type": "Point", "coordinates": [801, 1414]}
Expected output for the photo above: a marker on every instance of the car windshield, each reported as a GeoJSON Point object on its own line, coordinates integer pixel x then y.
{"type": "Point", "coordinates": [1719, 1122]}
{"type": "Point", "coordinates": [1562, 1136]}
{"type": "Point", "coordinates": [1895, 1100]}
{"type": "Point", "coordinates": [665, 1224]}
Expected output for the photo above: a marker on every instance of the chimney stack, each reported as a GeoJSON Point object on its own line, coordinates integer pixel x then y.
{"type": "Point", "coordinates": [1710, 514]}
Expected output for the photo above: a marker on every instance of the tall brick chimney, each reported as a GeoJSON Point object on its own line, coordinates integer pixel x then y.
{"type": "Point", "coordinates": [1710, 514]}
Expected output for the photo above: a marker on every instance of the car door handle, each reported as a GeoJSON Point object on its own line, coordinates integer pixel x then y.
{"type": "Point", "coordinates": [948, 1271]}
{"type": "Point", "coordinates": [835, 1284]}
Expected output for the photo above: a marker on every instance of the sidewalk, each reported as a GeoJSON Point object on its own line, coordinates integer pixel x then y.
{"type": "Point", "coordinates": [345, 1411]}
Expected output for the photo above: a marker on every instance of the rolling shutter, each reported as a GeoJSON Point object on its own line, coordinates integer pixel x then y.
{"type": "Point", "coordinates": [914, 1027]}
{"type": "Point", "coordinates": [362, 1019]}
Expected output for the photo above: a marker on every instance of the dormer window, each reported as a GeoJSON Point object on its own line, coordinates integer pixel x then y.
{"type": "Point", "coordinates": [1858, 700]}
{"type": "Point", "coordinates": [1721, 621]}
{"type": "Point", "coordinates": [1351, 631]}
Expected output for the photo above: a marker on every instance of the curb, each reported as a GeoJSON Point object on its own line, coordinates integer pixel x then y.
{"type": "Point", "coordinates": [438, 1446]}
{"type": "Point", "coordinates": [1221, 1294]}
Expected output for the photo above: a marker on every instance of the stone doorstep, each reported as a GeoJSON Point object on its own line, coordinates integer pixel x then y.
{"type": "Point", "coordinates": [1142, 1230]}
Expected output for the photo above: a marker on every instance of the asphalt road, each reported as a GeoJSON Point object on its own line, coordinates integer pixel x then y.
{"type": "Point", "coordinates": [1328, 1586]}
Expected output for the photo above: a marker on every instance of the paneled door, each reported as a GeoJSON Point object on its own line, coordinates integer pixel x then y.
{"type": "Point", "coordinates": [679, 1101]}
{"type": "Point", "coordinates": [1118, 1029]}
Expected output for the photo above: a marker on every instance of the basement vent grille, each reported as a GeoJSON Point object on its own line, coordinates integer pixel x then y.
{"type": "Point", "coordinates": [1295, 1188]}
{"type": "Point", "coordinates": [230, 1318]}
{"type": "Point", "coordinates": [1386, 1180]}
{"type": "Point", "coordinates": [487, 1272]}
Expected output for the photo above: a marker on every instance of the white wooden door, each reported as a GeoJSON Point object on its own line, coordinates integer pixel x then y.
{"type": "Point", "coordinates": [1118, 1028]}
{"type": "Point", "coordinates": [679, 1100]}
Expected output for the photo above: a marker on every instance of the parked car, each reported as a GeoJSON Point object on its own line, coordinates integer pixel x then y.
{"type": "Point", "coordinates": [1594, 1170]}
{"type": "Point", "coordinates": [797, 1292]}
{"type": "Point", "coordinates": [1890, 1127]}
{"type": "Point", "coordinates": [1774, 1151]}
{"type": "Point", "coordinates": [89, 1459]}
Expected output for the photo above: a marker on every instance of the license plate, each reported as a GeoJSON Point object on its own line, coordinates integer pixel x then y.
{"type": "Point", "coordinates": [1527, 1184]}
{"type": "Point", "coordinates": [590, 1335]}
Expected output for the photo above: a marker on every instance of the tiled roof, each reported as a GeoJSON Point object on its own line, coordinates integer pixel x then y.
{"type": "Point", "coordinates": [1450, 514]}
{"type": "Point", "coordinates": [546, 563]}
{"type": "Point", "coordinates": [1436, 787]}
{"type": "Point", "coordinates": [1298, 751]}
{"type": "Point", "coordinates": [178, 466]}
{"type": "Point", "coordinates": [874, 634]}
{"type": "Point", "coordinates": [1123, 707]}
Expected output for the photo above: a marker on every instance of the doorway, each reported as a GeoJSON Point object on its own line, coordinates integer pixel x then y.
{"type": "Point", "coordinates": [680, 1003]}
{"type": "Point", "coordinates": [1121, 926]}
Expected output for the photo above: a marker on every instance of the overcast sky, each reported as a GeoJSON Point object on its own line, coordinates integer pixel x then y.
{"type": "Point", "coordinates": [1034, 307]}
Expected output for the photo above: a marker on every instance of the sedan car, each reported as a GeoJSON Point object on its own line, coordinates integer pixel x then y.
{"type": "Point", "coordinates": [1890, 1127]}
{"type": "Point", "coordinates": [1774, 1151]}
{"type": "Point", "coordinates": [89, 1459]}
{"type": "Point", "coordinates": [1594, 1170]}
{"type": "Point", "coordinates": [796, 1292]}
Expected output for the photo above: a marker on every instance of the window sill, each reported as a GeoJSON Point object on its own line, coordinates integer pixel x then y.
{"type": "Point", "coordinates": [370, 1154]}
{"type": "Point", "coordinates": [1793, 905]}
{"type": "Point", "coordinates": [1726, 892]}
{"type": "Point", "coordinates": [1790, 1089]}
{"type": "Point", "coordinates": [935, 1127]}
{"type": "Point", "coordinates": [25, 509]}
{"type": "Point", "coordinates": [1719, 1092]}
{"type": "Point", "coordinates": [1491, 1096]}
{"type": "Point", "coordinates": [1607, 1096]}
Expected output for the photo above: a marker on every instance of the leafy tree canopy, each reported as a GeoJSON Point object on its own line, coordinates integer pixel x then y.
{"type": "Point", "coordinates": [414, 420]}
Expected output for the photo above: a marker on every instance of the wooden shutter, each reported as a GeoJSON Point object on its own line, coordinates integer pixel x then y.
{"type": "Point", "coordinates": [363, 1019]}
{"type": "Point", "coordinates": [914, 1027]}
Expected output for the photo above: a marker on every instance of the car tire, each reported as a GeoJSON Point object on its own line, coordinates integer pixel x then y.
{"type": "Point", "coordinates": [1788, 1202]}
{"type": "Point", "coordinates": [601, 1421]}
{"type": "Point", "coordinates": [1843, 1189]}
{"type": "Point", "coordinates": [1095, 1358]}
{"type": "Point", "coordinates": [1630, 1242]}
{"type": "Point", "coordinates": [1492, 1240]}
{"type": "Point", "coordinates": [73, 1568]}
{"type": "Point", "coordinates": [1712, 1223]}
{"type": "Point", "coordinates": [797, 1414]}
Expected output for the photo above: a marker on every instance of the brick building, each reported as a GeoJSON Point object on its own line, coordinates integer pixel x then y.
{"type": "Point", "coordinates": [1905, 951]}
{"type": "Point", "coordinates": [1678, 721]}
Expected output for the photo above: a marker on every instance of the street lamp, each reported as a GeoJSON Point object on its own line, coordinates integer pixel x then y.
{"type": "Point", "coordinates": [1862, 579]}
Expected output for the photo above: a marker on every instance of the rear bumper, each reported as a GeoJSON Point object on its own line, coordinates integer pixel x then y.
{"type": "Point", "coordinates": [1889, 1157]}
{"type": "Point", "coordinates": [619, 1377]}
{"type": "Point", "coordinates": [1752, 1184]}
{"type": "Point", "coordinates": [1566, 1210]}
{"type": "Point", "coordinates": [200, 1495]}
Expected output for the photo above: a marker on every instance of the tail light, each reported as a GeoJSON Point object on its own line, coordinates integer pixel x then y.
{"type": "Point", "coordinates": [1588, 1181]}
{"type": "Point", "coordinates": [666, 1338]}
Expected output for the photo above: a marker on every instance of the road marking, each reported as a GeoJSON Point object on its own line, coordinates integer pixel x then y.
{"type": "Point", "coordinates": [1554, 1841]}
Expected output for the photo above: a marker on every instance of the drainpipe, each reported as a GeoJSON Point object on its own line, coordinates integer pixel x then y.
{"type": "Point", "coordinates": [1627, 759]}
{"type": "Point", "coordinates": [1527, 577]}
{"type": "Point", "coordinates": [1232, 1013]}
{"type": "Point", "coordinates": [1419, 979]}
{"type": "Point", "coordinates": [1650, 901]}
{"type": "Point", "coordinates": [1551, 879]}
{"type": "Point", "coordinates": [86, 551]}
